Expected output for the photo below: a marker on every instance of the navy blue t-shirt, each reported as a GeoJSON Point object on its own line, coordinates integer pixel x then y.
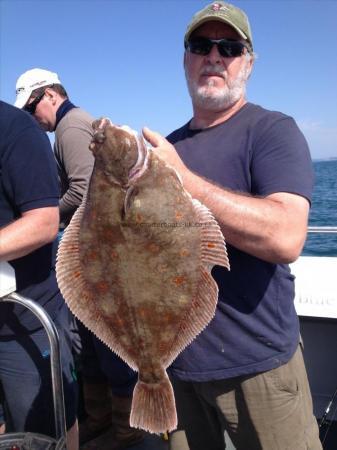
{"type": "Point", "coordinates": [255, 327]}
{"type": "Point", "coordinates": [28, 180]}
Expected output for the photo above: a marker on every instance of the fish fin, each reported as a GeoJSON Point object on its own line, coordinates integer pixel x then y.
{"type": "Point", "coordinates": [153, 406]}
{"type": "Point", "coordinates": [77, 294]}
{"type": "Point", "coordinates": [213, 246]}
{"type": "Point", "coordinates": [68, 267]}
{"type": "Point", "coordinates": [72, 285]}
{"type": "Point", "coordinates": [203, 305]}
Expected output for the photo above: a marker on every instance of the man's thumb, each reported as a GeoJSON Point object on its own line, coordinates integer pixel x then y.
{"type": "Point", "coordinates": [154, 138]}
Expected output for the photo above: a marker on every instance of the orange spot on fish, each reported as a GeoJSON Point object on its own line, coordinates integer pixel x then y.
{"type": "Point", "coordinates": [139, 218]}
{"type": "Point", "coordinates": [92, 255]}
{"type": "Point", "coordinates": [184, 252]}
{"type": "Point", "coordinates": [196, 304]}
{"type": "Point", "coordinates": [102, 287]}
{"type": "Point", "coordinates": [179, 280]}
{"type": "Point", "coordinates": [162, 347]}
{"type": "Point", "coordinates": [154, 248]}
{"type": "Point", "coordinates": [114, 254]}
{"type": "Point", "coordinates": [103, 186]}
{"type": "Point", "coordinates": [108, 234]}
{"type": "Point", "coordinates": [93, 215]}
{"type": "Point", "coordinates": [77, 274]}
{"type": "Point", "coordinates": [144, 312]}
{"type": "Point", "coordinates": [210, 245]}
{"type": "Point", "coordinates": [178, 215]}
{"type": "Point", "coordinates": [168, 319]}
{"type": "Point", "coordinates": [119, 322]}
{"type": "Point", "coordinates": [183, 326]}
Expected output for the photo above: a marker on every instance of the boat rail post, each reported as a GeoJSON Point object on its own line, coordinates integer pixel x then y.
{"type": "Point", "coordinates": [324, 419]}
{"type": "Point", "coordinates": [55, 359]}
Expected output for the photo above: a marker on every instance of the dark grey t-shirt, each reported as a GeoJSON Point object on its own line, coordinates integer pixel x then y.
{"type": "Point", "coordinates": [255, 328]}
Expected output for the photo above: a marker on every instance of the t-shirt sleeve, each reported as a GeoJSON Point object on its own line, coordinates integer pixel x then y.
{"type": "Point", "coordinates": [29, 174]}
{"type": "Point", "coordinates": [281, 159]}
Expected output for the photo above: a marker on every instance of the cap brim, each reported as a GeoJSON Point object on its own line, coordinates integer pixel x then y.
{"type": "Point", "coordinates": [22, 99]}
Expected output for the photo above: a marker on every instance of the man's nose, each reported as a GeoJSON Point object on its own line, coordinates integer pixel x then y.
{"type": "Point", "coordinates": [214, 56]}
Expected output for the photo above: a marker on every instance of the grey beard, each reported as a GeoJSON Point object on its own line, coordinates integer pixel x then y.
{"type": "Point", "coordinates": [222, 98]}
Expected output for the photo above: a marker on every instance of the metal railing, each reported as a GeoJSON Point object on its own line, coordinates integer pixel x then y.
{"type": "Point", "coordinates": [55, 360]}
{"type": "Point", "coordinates": [322, 229]}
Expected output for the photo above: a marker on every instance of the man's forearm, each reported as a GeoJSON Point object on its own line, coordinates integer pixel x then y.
{"type": "Point", "coordinates": [34, 229]}
{"type": "Point", "coordinates": [267, 228]}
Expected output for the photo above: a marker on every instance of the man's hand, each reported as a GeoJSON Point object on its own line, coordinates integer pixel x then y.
{"type": "Point", "coordinates": [167, 152]}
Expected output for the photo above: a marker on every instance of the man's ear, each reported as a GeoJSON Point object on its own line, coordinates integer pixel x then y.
{"type": "Point", "coordinates": [51, 95]}
{"type": "Point", "coordinates": [250, 67]}
{"type": "Point", "coordinates": [184, 59]}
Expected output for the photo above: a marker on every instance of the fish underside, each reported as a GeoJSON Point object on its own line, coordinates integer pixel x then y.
{"type": "Point", "coordinates": [134, 265]}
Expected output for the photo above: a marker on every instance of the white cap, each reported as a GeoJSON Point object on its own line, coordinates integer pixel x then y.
{"type": "Point", "coordinates": [31, 80]}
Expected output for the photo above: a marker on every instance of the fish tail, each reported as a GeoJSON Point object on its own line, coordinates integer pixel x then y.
{"type": "Point", "coordinates": [153, 406]}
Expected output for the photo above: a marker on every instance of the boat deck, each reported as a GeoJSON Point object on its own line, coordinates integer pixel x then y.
{"type": "Point", "coordinates": [153, 442]}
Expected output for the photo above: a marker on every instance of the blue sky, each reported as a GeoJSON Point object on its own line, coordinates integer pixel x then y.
{"type": "Point", "coordinates": [123, 59]}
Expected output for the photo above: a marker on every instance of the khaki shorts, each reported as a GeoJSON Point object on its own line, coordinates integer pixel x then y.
{"type": "Point", "coordinates": [269, 411]}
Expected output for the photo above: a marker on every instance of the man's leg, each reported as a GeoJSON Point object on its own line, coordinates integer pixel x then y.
{"type": "Point", "coordinates": [95, 389]}
{"type": "Point", "coordinates": [274, 410]}
{"type": "Point", "coordinates": [122, 381]}
{"type": "Point", "coordinates": [199, 427]}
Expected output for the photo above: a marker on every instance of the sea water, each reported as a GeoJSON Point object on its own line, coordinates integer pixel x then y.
{"type": "Point", "coordinates": [323, 210]}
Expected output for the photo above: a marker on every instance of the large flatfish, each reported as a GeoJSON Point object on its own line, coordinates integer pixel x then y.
{"type": "Point", "coordinates": [134, 266]}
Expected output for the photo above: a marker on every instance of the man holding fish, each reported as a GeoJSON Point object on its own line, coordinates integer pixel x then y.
{"type": "Point", "coordinates": [251, 167]}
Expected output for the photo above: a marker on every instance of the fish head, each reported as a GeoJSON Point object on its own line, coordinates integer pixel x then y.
{"type": "Point", "coordinates": [120, 153]}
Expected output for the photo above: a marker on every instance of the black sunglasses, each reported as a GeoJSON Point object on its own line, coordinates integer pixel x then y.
{"type": "Point", "coordinates": [226, 48]}
{"type": "Point", "coordinates": [31, 107]}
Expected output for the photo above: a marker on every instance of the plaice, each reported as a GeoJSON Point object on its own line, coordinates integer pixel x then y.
{"type": "Point", "coordinates": [134, 265]}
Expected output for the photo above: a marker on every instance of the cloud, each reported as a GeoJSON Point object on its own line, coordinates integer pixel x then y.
{"type": "Point", "coordinates": [322, 139]}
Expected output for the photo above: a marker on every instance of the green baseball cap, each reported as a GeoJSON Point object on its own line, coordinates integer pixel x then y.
{"type": "Point", "coordinates": [222, 12]}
